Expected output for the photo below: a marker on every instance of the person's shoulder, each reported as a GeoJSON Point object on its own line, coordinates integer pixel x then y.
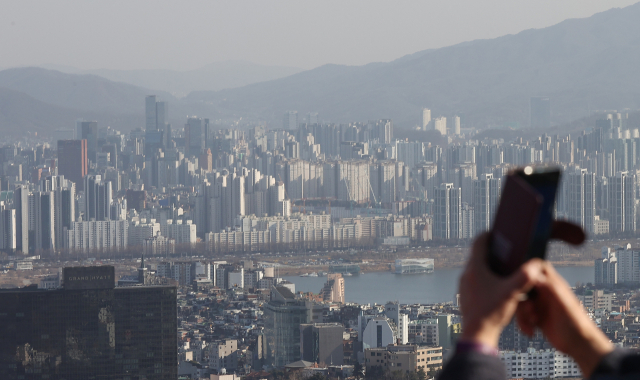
{"type": "Point", "coordinates": [473, 365]}
{"type": "Point", "coordinates": [619, 364]}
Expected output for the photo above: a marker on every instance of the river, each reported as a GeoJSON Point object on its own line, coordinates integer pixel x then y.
{"type": "Point", "coordinates": [439, 286]}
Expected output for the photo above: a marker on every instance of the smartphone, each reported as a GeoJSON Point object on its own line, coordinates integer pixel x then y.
{"type": "Point", "coordinates": [524, 218]}
{"type": "Point", "coordinates": [544, 181]}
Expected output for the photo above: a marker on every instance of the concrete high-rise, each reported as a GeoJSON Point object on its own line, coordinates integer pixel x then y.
{"type": "Point", "coordinates": [7, 228]}
{"type": "Point", "coordinates": [447, 222]}
{"type": "Point", "coordinates": [155, 114]}
{"type": "Point", "coordinates": [426, 118]}
{"type": "Point", "coordinates": [88, 130]}
{"type": "Point", "coordinates": [440, 125]}
{"type": "Point", "coordinates": [580, 198]}
{"type": "Point", "coordinates": [486, 195]}
{"type": "Point", "coordinates": [290, 120]}
{"type": "Point", "coordinates": [97, 198]}
{"type": "Point", "coordinates": [622, 195]}
{"type": "Point", "coordinates": [43, 220]}
{"type": "Point", "coordinates": [21, 205]}
{"type": "Point", "coordinates": [455, 128]}
{"type": "Point", "coordinates": [72, 160]}
{"type": "Point", "coordinates": [540, 112]}
{"type": "Point", "coordinates": [194, 136]}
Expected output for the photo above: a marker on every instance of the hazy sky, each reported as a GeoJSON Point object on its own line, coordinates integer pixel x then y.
{"type": "Point", "coordinates": [189, 34]}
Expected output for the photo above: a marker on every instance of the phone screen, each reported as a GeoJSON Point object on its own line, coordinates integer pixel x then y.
{"type": "Point", "coordinates": [545, 183]}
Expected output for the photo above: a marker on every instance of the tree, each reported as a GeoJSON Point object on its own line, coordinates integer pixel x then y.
{"type": "Point", "coordinates": [374, 373]}
{"type": "Point", "coordinates": [421, 374]}
{"type": "Point", "coordinates": [317, 376]}
{"type": "Point", "coordinates": [358, 371]}
{"type": "Point", "coordinates": [411, 375]}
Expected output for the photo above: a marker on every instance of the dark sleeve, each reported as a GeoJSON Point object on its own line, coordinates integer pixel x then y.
{"type": "Point", "coordinates": [619, 364]}
{"type": "Point", "coordinates": [473, 365]}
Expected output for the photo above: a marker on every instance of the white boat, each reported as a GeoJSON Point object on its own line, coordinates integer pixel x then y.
{"type": "Point", "coordinates": [347, 274]}
{"type": "Point", "coordinates": [304, 275]}
{"type": "Point", "coordinates": [313, 274]}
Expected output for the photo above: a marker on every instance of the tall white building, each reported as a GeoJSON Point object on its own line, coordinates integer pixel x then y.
{"type": "Point", "coordinates": [426, 118]}
{"type": "Point", "coordinates": [353, 181]}
{"type": "Point", "coordinates": [628, 265]}
{"type": "Point", "coordinates": [455, 128]}
{"type": "Point", "coordinates": [7, 228]}
{"type": "Point", "coordinates": [440, 125]}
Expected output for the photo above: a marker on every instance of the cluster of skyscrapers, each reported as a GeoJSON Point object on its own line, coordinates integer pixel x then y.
{"type": "Point", "coordinates": [310, 184]}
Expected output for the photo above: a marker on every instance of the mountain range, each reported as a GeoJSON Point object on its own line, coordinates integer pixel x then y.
{"type": "Point", "coordinates": [582, 65]}
{"type": "Point", "coordinates": [212, 77]}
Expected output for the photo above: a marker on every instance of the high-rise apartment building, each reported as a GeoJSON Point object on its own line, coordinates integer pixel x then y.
{"type": "Point", "coordinates": [155, 114]}
{"type": "Point", "coordinates": [580, 198]}
{"type": "Point", "coordinates": [72, 160]}
{"type": "Point", "coordinates": [21, 205]}
{"type": "Point", "coordinates": [195, 131]}
{"type": "Point", "coordinates": [447, 212]}
{"type": "Point", "coordinates": [440, 125]}
{"type": "Point", "coordinates": [312, 118]}
{"type": "Point", "coordinates": [455, 128]}
{"type": "Point", "coordinates": [486, 195]}
{"type": "Point", "coordinates": [88, 329]}
{"type": "Point", "coordinates": [426, 118]}
{"type": "Point", "coordinates": [290, 120]}
{"type": "Point", "coordinates": [540, 112]}
{"type": "Point", "coordinates": [97, 198]}
{"type": "Point", "coordinates": [88, 130]}
{"type": "Point", "coordinates": [42, 220]}
{"type": "Point", "coordinates": [622, 196]}
{"type": "Point", "coordinates": [7, 228]}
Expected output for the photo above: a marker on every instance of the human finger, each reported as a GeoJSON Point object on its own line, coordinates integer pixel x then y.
{"type": "Point", "coordinates": [526, 317]}
{"type": "Point", "coordinates": [523, 279]}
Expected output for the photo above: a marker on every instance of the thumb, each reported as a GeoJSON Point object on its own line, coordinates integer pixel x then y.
{"type": "Point", "coordinates": [522, 280]}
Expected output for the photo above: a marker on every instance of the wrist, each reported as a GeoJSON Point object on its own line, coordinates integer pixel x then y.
{"type": "Point", "coordinates": [472, 346]}
{"type": "Point", "coordinates": [486, 336]}
{"type": "Point", "coordinates": [590, 351]}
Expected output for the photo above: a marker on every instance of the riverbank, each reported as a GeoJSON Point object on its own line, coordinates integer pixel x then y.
{"type": "Point", "coordinates": [389, 267]}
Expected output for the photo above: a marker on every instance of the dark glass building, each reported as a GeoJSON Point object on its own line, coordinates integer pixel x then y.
{"type": "Point", "coordinates": [89, 329]}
